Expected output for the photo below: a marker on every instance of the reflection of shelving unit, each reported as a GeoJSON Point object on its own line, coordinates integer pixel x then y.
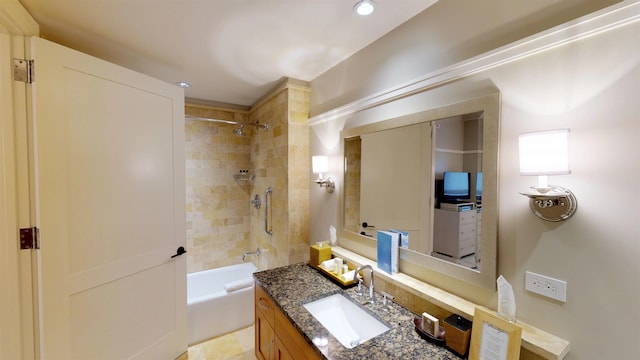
{"type": "Point", "coordinates": [455, 233]}
{"type": "Point", "coordinates": [478, 232]}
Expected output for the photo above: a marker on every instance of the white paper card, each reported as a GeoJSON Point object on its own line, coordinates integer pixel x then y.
{"type": "Point", "coordinates": [494, 343]}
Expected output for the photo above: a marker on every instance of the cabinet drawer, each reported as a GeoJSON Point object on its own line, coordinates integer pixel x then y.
{"type": "Point", "coordinates": [467, 242]}
{"type": "Point", "coordinates": [467, 217]}
{"type": "Point", "coordinates": [467, 231]}
{"type": "Point", "coordinates": [466, 249]}
{"type": "Point", "coordinates": [264, 304]}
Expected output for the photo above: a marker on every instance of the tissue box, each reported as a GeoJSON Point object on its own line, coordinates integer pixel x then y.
{"type": "Point", "coordinates": [318, 254]}
{"type": "Point", "coordinates": [457, 333]}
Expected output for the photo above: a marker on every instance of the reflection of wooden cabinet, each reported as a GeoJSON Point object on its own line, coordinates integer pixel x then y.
{"type": "Point", "coordinates": [454, 233]}
{"type": "Point", "coordinates": [273, 330]}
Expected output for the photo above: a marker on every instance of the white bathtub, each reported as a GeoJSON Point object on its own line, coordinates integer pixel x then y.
{"type": "Point", "coordinates": [220, 301]}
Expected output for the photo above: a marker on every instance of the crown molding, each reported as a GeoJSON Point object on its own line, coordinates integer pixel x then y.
{"type": "Point", "coordinates": [612, 17]}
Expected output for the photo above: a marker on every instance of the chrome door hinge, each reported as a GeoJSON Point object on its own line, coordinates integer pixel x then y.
{"type": "Point", "coordinates": [29, 238]}
{"type": "Point", "coordinates": [23, 70]}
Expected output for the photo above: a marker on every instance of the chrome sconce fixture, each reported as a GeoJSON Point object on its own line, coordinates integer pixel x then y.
{"type": "Point", "coordinates": [545, 153]}
{"type": "Point", "coordinates": [320, 164]}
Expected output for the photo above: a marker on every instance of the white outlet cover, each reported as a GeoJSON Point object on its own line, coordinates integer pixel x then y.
{"type": "Point", "coordinates": [546, 286]}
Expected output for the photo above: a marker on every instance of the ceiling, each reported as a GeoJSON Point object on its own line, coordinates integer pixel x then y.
{"type": "Point", "coordinates": [230, 51]}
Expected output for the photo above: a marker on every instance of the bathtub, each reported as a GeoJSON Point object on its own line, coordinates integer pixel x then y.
{"type": "Point", "coordinates": [220, 301]}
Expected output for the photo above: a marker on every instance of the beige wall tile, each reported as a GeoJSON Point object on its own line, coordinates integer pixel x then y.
{"type": "Point", "coordinates": [217, 220]}
{"type": "Point", "coordinates": [221, 225]}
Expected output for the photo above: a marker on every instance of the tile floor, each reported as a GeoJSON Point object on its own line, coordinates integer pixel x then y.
{"type": "Point", "coordinates": [238, 345]}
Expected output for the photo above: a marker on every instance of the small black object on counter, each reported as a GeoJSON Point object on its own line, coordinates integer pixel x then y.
{"type": "Point", "coordinates": [457, 334]}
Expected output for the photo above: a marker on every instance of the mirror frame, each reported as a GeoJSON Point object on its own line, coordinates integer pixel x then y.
{"type": "Point", "coordinates": [421, 266]}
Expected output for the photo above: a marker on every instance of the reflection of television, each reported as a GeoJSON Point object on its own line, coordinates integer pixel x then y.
{"type": "Point", "coordinates": [479, 186]}
{"type": "Point", "coordinates": [455, 185]}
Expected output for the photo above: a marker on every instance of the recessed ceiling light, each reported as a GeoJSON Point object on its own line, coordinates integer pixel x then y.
{"type": "Point", "coordinates": [183, 84]}
{"type": "Point", "coordinates": [364, 7]}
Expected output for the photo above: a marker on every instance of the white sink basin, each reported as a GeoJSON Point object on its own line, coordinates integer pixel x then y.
{"type": "Point", "coordinates": [345, 320]}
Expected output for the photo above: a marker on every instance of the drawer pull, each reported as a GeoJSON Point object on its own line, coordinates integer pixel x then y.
{"type": "Point", "coordinates": [269, 348]}
{"type": "Point", "coordinates": [262, 304]}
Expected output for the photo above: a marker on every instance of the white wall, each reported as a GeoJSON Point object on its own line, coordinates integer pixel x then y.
{"type": "Point", "coordinates": [592, 87]}
{"type": "Point", "coordinates": [447, 32]}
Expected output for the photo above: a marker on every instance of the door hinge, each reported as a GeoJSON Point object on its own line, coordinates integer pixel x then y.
{"type": "Point", "coordinates": [24, 70]}
{"type": "Point", "coordinates": [29, 238]}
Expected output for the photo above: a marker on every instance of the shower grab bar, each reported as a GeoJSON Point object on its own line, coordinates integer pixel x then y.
{"type": "Point", "coordinates": [267, 203]}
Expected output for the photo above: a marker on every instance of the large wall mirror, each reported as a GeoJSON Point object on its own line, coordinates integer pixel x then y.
{"type": "Point", "coordinates": [433, 176]}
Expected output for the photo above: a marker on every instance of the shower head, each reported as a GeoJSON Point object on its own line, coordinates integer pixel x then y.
{"type": "Point", "coordinates": [239, 131]}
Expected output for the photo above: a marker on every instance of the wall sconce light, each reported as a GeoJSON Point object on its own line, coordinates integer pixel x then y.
{"type": "Point", "coordinates": [320, 164]}
{"type": "Point", "coordinates": [545, 153]}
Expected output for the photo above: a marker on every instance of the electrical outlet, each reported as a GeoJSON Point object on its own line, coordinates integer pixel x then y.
{"type": "Point", "coordinates": [546, 286]}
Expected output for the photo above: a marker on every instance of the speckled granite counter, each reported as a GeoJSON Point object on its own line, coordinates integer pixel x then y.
{"type": "Point", "coordinates": [293, 285]}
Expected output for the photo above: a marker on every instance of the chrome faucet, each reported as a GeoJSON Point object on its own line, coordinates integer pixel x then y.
{"type": "Point", "coordinates": [355, 278]}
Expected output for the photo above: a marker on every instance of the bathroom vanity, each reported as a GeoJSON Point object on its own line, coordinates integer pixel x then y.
{"type": "Point", "coordinates": [286, 330]}
{"type": "Point", "coordinates": [273, 330]}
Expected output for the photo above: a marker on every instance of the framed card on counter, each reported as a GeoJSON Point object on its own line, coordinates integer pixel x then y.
{"type": "Point", "coordinates": [494, 338]}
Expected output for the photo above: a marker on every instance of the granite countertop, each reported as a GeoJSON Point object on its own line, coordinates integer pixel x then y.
{"type": "Point", "coordinates": [292, 286]}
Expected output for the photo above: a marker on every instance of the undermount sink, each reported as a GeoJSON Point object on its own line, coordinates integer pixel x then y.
{"type": "Point", "coordinates": [345, 320]}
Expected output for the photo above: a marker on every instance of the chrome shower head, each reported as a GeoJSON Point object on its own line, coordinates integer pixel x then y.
{"type": "Point", "coordinates": [239, 131]}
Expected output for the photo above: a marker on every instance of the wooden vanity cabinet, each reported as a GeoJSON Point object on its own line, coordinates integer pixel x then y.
{"type": "Point", "coordinates": [281, 351]}
{"type": "Point", "coordinates": [273, 330]}
{"type": "Point", "coordinates": [289, 334]}
{"type": "Point", "coordinates": [265, 338]}
{"type": "Point", "coordinates": [264, 319]}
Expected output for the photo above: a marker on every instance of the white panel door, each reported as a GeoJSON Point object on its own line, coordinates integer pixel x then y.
{"type": "Point", "coordinates": [108, 157]}
{"type": "Point", "coordinates": [396, 181]}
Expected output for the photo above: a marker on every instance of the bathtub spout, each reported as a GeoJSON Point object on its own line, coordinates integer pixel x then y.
{"type": "Point", "coordinates": [257, 253]}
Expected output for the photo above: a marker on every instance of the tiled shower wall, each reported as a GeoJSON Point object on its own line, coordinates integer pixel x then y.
{"type": "Point", "coordinates": [299, 169]}
{"type": "Point", "coordinates": [221, 224]}
{"type": "Point", "coordinates": [282, 161]}
{"type": "Point", "coordinates": [217, 205]}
